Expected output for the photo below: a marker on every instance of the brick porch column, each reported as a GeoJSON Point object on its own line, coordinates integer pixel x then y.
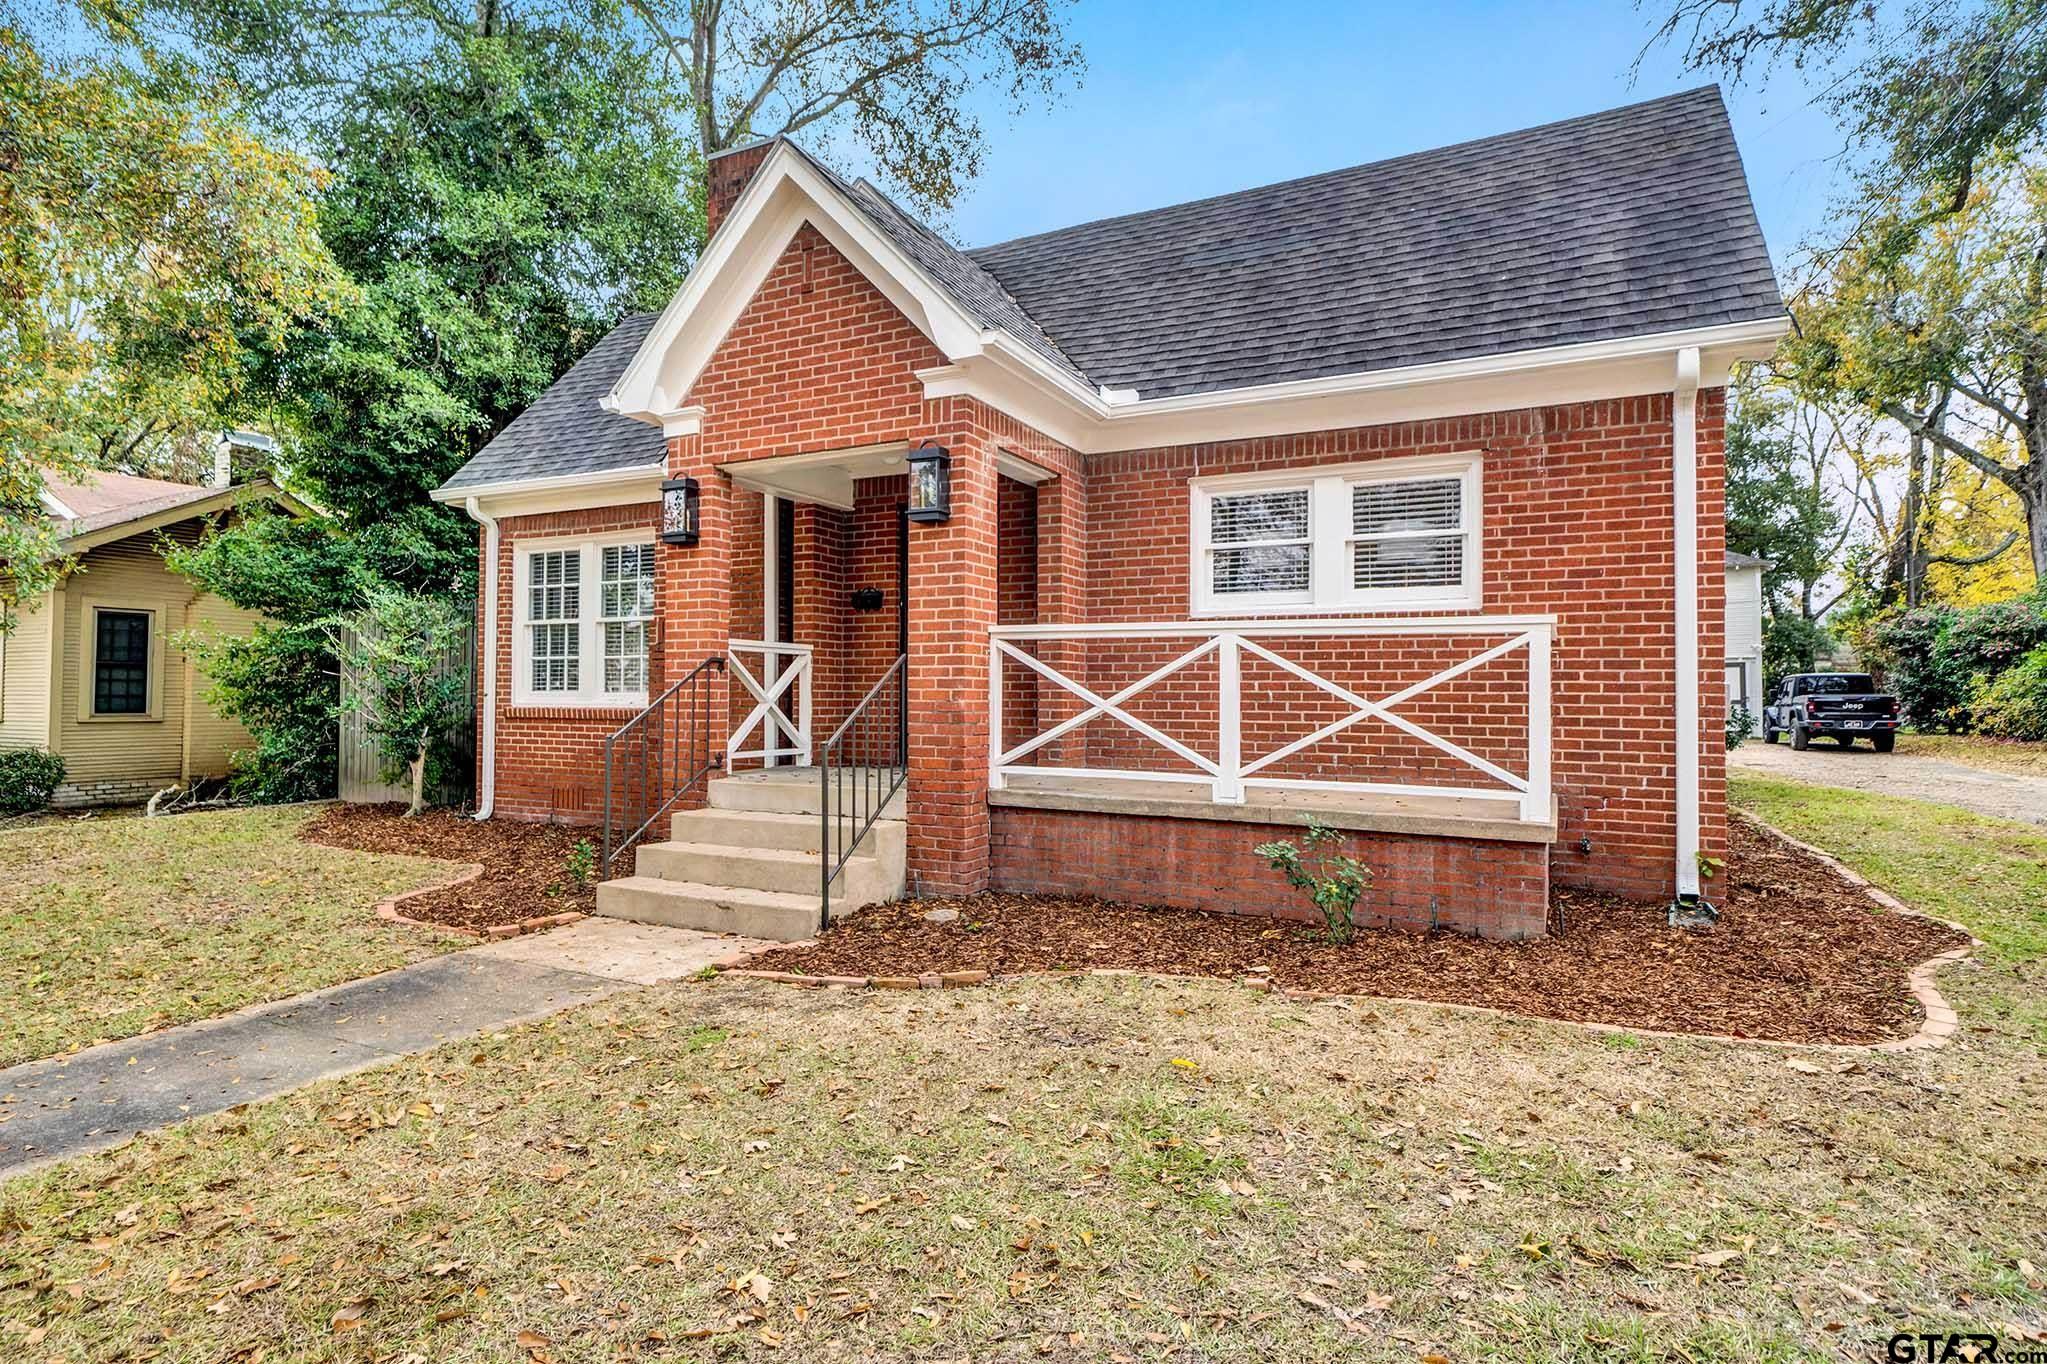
{"type": "Point", "coordinates": [952, 607]}
{"type": "Point", "coordinates": [694, 584]}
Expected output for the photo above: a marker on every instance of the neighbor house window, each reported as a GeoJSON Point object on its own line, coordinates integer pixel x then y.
{"type": "Point", "coordinates": [1393, 535]}
{"type": "Point", "coordinates": [120, 662]}
{"type": "Point", "coordinates": [585, 614]}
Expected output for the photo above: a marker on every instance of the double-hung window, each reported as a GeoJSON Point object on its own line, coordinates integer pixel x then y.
{"type": "Point", "coordinates": [1399, 534]}
{"type": "Point", "coordinates": [584, 617]}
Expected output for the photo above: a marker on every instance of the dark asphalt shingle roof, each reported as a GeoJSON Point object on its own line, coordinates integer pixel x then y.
{"type": "Point", "coordinates": [565, 431]}
{"type": "Point", "coordinates": [1623, 223]}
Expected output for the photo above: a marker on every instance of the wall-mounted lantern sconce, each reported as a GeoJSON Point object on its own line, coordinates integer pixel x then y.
{"type": "Point", "coordinates": [930, 483]}
{"type": "Point", "coordinates": [681, 510]}
{"type": "Point", "coordinates": [867, 599]}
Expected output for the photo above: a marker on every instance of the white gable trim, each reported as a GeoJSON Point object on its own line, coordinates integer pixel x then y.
{"type": "Point", "coordinates": [784, 194]}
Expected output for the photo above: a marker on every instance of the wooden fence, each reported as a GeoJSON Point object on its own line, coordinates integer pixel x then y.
{"type": "Point", "coordinates": [361, 771]}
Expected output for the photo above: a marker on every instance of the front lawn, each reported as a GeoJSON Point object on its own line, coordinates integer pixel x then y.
{"type": "Point", "coordinates": [1086, 1169]}
{"type": "Point", "coordinates": [118, 925]}
{"type": "Point", "coordinates": [1973, 750]}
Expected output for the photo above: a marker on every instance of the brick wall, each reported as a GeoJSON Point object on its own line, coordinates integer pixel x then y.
{"type": "Point", "coordinates": [550, 759]}
{"type": "Point", "coordinates": [1496, 890]}
{"type": "Point", "coordinates": [1577, 524]}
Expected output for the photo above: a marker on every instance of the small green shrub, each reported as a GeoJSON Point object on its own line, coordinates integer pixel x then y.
{"type": "Point", "coordinates": [28, 778]}
{"type": "Point", "coordinates": [582, 862]}
{"type": "Point", "coordinates": [2013, 704]}
{"type": "Point", "coordinates": [1332, 881]}
{"type": "Point", "coordinates": [1741, 723]}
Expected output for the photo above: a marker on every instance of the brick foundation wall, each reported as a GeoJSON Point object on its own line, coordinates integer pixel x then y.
{"type": "Point", "coordinates": [1496, 890]}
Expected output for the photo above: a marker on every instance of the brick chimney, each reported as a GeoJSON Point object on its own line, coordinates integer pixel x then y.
{"type": "Point", "coordinates": [727, 177]}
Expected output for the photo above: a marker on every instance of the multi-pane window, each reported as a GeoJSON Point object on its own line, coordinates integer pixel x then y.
{"type": "Point", "coordinates": [627, 607]}
{"type": "Point", "coordinates": [579, 645]}
{"type": "Point", "coordinates": [1393, 535]}
{"type": "Point", "coordinates": [120, 663]}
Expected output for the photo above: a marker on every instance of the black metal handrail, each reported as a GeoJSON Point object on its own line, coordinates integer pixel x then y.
{"type": "Point", "coordinates": [863, 764]}
{"type": "Point", "coordinates": [653, 759]}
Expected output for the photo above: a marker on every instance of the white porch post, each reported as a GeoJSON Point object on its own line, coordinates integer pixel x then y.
{"type": "Point", "coordinates": [1684, 477]}
{"type": "Point", "coordinates": [1229, 739]}
{"type": "Point", "coordinates": [1535, 801]}
{"type": "Point", "coordinates": [995, 782]}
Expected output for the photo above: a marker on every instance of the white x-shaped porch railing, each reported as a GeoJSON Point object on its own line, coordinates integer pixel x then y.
{"type": "Point", "coordinates": [1229, 774]}
{"type": "Point", "coordinates": [782, 667]}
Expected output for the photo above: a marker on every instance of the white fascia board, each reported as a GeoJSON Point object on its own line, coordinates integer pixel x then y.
{"type": "Point", "coordinates": [560, 492]}
{"type": "Point", "coordinates": [56, 508]}
{"type": "Point", "coordinates": [1585, 372]}
{"type": "Point", "coordinates": [784, 194]}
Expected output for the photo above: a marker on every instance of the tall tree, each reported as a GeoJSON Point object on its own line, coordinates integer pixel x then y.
{"type": "Point", "coordinates": [1783, 468]}
{"type": "Point", "coordinates": [1939, 88]}
{"type": "Point", "coordinates": [891, 82]}
{"type": "Point", "coordinates": [498, 211]}
{"type": "Point", "coordinates": [1943, 329]}
{"type": "Point", "coordinates": [151, 251]}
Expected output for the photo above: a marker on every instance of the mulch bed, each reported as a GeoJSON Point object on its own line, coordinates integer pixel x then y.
{"type": "Point", "coordinates": [1799, 954]}
{"type": "Point", "coordinates": [525, 866]}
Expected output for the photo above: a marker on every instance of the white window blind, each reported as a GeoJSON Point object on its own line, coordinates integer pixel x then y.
{"type": "Point", "coordinates": [1407, 534]}
{"type": "Point", "coordinates": [586, 613]}
{"type": "Point", "coordinates": [1395, 534]}
{"type": "Point", "coordinates": [1259, 541]}
{"type": "Point", "coordinates": [554, 606]}
{"type": "Point", "coordinates": [628, 605]}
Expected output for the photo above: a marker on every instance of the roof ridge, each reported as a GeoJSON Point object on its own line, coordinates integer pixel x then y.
{"type": "Point", "coordinates": [1511, 135]}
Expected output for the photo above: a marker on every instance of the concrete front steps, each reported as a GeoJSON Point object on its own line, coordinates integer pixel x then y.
{"type": "Point", "coordinates": [749, 862]}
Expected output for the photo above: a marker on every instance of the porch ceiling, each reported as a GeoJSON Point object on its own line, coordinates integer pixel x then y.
{"type": "Point", "coordinates": [826, 477]}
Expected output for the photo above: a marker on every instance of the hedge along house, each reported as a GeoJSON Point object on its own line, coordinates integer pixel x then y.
{"type": "Point", "coordinates": [1085, 562]}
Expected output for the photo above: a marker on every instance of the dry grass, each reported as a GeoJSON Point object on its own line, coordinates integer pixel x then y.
{"type": "Point", "coordinates": [1079, 1169]}
{"type": "Point", "coordinates": [119, 925]}
{"type": "Point", "coordinates": [1973, 750]}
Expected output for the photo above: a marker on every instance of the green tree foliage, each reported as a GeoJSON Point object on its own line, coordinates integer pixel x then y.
{"type": "Point", "coordinates": [151, 251]}
{"type": "Point", "coordinates": [1944, 330]}
{"type": "Point", "coordinates": [1791, 644]}
{"type": "Point", "coordinates": [499, 211]}
{"type": "Point", "coordinates": [1939, 90]}
{"type": "Point", "coordinates": [894, 83]}
{"type": "Point", "coordinates": [1945, 663]}
{"type": "Point", "coordinates": [2013, 704]}
{"type": "Point", "coordinates": [1779, 504]}
{"type": "Point", "coordinates": [280, 684]}
{"type": "Point", "coordinates": [408, 654]}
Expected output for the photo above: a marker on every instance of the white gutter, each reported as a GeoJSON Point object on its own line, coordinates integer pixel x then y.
{"type": "Point", "coordinates": [1684, 486]}
{"type": "Point", "coordinates": [603, 478]}
{"type": "Point", "coordinates": [487, 786]}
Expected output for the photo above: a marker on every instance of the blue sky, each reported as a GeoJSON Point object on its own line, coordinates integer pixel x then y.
{"type": "Point", "coordinates": [1202, 98]}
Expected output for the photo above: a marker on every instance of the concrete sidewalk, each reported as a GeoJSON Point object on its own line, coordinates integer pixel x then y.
{"type": "Point", "coordinates": [101, 1096]}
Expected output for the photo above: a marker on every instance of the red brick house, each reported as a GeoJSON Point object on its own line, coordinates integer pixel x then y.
{"type": "Point", "coordinates": [1087, 561]}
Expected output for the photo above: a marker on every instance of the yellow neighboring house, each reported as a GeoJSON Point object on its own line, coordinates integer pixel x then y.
{"type": "Point", "coordinates": [89, 671]}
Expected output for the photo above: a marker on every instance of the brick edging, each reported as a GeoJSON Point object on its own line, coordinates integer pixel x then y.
{"type": "Point", "coordinates": [388, 910]}
{"type": "Point", "coordinates": [1937, 1029]}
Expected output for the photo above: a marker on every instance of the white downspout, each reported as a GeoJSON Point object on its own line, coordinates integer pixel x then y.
{"type": "Point", "coordinates": [1684, 480]}
{"type": "Point", "coordinates": [486, 789]}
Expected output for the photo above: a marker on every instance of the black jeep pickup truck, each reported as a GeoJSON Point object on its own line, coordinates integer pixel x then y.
{"type": "Point", "coordinates": [1839, 705]}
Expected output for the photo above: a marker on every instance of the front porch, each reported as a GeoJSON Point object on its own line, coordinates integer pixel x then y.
{"type": "Point", "coordinates": [945, 678]}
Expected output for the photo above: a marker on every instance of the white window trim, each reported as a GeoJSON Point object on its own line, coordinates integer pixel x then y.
{"type": "Point", "coordinates": [1329, 526]}
{"type": "Point", "coordinates": [589, 622]}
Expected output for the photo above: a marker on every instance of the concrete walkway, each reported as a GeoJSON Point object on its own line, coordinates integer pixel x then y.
{"type": "Point", "coordinates": [102, 1096]}
{"type": "Point", "coordinates": [2004, 795]}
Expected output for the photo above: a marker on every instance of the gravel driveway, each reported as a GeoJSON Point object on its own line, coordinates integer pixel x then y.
{"type": "Point", "coordinates": [2003, 794]}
